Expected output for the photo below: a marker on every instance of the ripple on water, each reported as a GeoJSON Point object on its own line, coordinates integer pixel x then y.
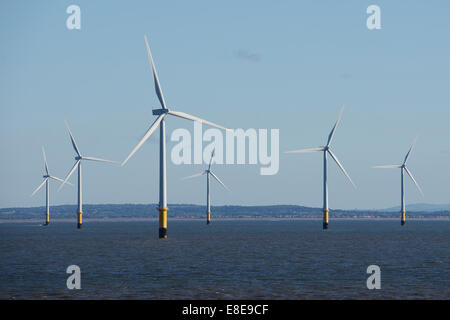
{"type": "Point", "coordinates": [226, 260]}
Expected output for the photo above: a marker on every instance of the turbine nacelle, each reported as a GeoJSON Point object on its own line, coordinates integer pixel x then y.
{"type": "Point", "coordinates": [157, 112]}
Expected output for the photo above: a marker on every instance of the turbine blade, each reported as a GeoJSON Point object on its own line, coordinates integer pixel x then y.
{"type": "Point", "coordinates": [194, 118]}
{"type": "Point", "coordinates": [388, 166]}
{"type": "Point", "coordinates": [341, 166]}
{"type": "Point", "coordinates": [146, 136]}
{"type": "Point", "coordinates": [414, 180]}
{"type": "Point", "coordinates": [40, 186]}
{"type": "Point", "coordinates": [45, 161]}
{"type": "Point", "coordinates": [330, 136]}
{"type": "Point", "coordinates": [306, 150]}
{"type": "Point", "coordinates": [194, 175]}
{"type": "Point", "coordinates": [60, 180]}
{"type": "Point", "coordinates": [73, 140]}
{"type": "Point", "coordinates": [155, 76]}
{"type": "Point", "coordinates": [212, 156]}
{"type": "Point", "coordinates": [218, 180]}
{"type": "Point", "coordinates": [100, 160]}
{"type": "Point", "coordinates": [69, 174]}
{"type": "Point", "coordinates": [409, 151]}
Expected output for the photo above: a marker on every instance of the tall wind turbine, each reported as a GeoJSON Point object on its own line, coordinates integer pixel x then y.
{"type": "Point", "coordinates": [78, 159]}
{"type": "Point", "coordinates": [208, 198]}
{"type": "Point", "coordinates": [46, 181]}
{"type": "Point", "coordinates": [402, 169]}
{"type": "Point", "coordinates": [160, 121]}
{"type": "Point", "coordinates": [327, 151]}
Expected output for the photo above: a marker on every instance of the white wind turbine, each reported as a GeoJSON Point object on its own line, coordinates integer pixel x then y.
{"type": "Point", "coordinates": [160, 121]}
{"type": "Point", "coordinates": [403, 168]}
{"type": "Point", "coordinates": [46, 181]}
{"type": "Point", "coordinates": [326, 150]}
{"type": "Point", "coordinates": [208, 198]}
{"type": "Point", "coordinates": [78, 159]}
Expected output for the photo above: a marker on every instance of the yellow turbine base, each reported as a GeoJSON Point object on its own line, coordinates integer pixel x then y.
{"type": "Point", "coordinates": [325, 216]}
{"type": "Point", "coordinates": [47, 218]}
{"type": "Point", "coordinates": [208, 217]}
{"type": "Point", "coordinates": [79, 219]}
{"type": "Point", "coordinates": [403, 217]}
{"type": "Point", "coordinates": [325, 219]}
{"type": "Point", "coordinates": [163, 222]}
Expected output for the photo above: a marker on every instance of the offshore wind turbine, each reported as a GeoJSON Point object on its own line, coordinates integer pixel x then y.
{"type": "Point", "coordinates": [208, 172]}
{"type": "Point", "coordinates": [78, 159]}
{"type": "Point", "coordinates": [327, 151]}
{"type": "Point", "coordinates": [403, 169]}
{"type": "Point", "coordinates": [160, 121]}
{"type": "Point", "coordinates": [46, 181]}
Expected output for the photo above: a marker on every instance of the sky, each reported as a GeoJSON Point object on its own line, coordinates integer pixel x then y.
{"type": "Point", "coordinates": [286, 65]}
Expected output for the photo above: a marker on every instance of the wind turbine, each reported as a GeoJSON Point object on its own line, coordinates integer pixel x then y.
{"type": "Point", "coordinates": [208, 198]}
{"type": "Point", "coordinates": [402, 169]}
{"type": "Point", "coordinates": [160, 121]}
{"type": "Point", "coordinates": [327, 151]}
{"type": "Point", "coordinates": [78, 159]}
{"type": "Point", "coordinates": [46, 181]}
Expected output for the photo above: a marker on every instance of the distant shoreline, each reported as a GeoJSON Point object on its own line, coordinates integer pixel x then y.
{"type": "Point", "coordinates": [216, 219]}
{"type": "Point", "coordinates": [190, 212]}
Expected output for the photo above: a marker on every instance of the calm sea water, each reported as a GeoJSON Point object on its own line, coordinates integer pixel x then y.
{"type": "Point", "coordinates": [226, 260]}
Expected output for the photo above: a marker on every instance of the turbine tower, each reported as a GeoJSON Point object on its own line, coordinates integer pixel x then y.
{"type": "Point", "coordinates": [208, 198]}
{"type": "Point", "coordinates": [78, 159]}
{"type": "Point", "coordinates": [46, 181]}
{"type": "Point", "coordinates": [327, 151]}
{"type": "Point", "coordinates": [160, 121]}
{"type": "Point", "coordinates": [403, 169]}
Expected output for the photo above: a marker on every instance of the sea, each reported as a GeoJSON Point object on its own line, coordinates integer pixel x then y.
{"type": "Point", "coordinates": [228, 259]}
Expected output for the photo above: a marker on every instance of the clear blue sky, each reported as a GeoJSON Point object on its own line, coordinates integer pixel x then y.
{"type": "Point", "coordinates": [313, 56]}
